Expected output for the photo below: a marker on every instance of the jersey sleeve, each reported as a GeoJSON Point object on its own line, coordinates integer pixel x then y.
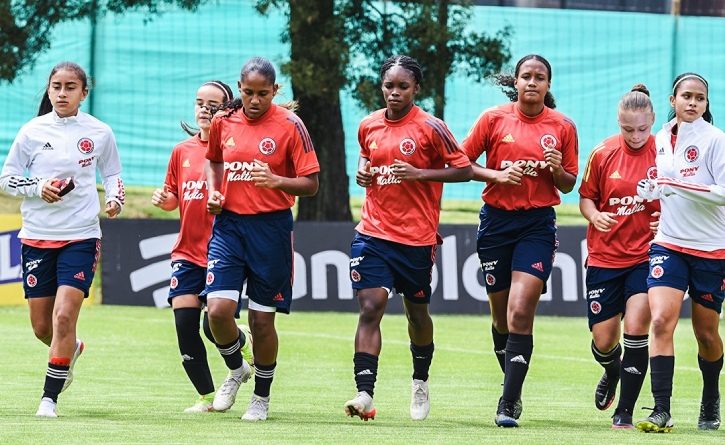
{"type": "Point", "coordinates": [303, 153]}
{"type": "Point", "coordinates": [475, 141]}
{"type": "Point", "coordinates": [110, 167]}
{"type": "Point", "coordinates": [171, 183]}
{"type": "Point", "coordinates": [570, 149]}
{"type": "Point", "coordinates": [12, 179]}
{"type": "Point", "coordinates": [361, 133]}
{"type": "Point", "coordinates": [589, 187]}
{"type": "Point", "coordinates": [214, 148]}
{"type": "Point", "coordinates": [446, 145]}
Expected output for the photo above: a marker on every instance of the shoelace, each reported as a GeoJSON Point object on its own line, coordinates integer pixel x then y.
{"type": "Point", "coordinates": [419, 394]}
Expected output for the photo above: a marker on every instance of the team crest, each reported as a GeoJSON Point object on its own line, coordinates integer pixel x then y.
{"type": "Point", "coordinates": [209, 277]}
{"type": "Point", "coordinates": [595, 307]}
{"type": "Point", "coordinates": [267, 146]}
{"type": "Point", "coordinates": [31, 280]}
{"type": "Point", "coordinates": [490, 279]}
{"type": "Point", "coordinates": [85, 145]}
{"type": "Point", "coordinates": [652, 173]}
{"type": "Point", "coordinates": [691, 154]}
{"type": "Point", "coordinates": [548, 141]}
{"type": "Point", "coordinates": [355, 276]}
{"type": "Point", "coordinates": [407, 146]}
{"type": "Point", "coordinates": [174, 282]}
{"type": "Point", "coordinates": [657, 272]}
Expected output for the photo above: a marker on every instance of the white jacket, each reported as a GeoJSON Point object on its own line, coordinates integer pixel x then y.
{"type": "Point", "coordinates": [53, 147]}
{"type": "Point", "coordinates": [693, 180]}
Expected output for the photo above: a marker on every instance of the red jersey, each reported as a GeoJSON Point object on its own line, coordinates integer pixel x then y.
{"type": "Point", "coordinates": [509, 137]}
{"type": "Point", "coordinates": [278, 138]}
{"type": "Point", "coordinates": [610, 180]}
{"type": "Point", "coordinates": [405, 212]}
{"type": "Point", "coordinates": [186, 179]}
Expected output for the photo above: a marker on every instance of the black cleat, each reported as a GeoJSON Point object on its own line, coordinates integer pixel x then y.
{"type": "Point", "coordinates": [622, 420]}
{"type": "Point", "coordinates": [709, 415]}
{"type": "Point", "coordinates": [505, 416]}
{"type": "Point", "coordinates": [657, 422]}
{"type": "Point", "coordinates": [605, 392]}
{"type": "Point", "coordinates": [518, 409]}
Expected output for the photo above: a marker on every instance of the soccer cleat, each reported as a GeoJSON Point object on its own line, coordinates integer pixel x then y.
{"type": "Point", "coordinates": [46, 408]}
{"type": "Point", "coordinates": [505, 414]}
{"type": "Point", "coordinates": [518, 409]}
{"type": "Point", "coordinates": [77, 353]}
{"type": "Point", "coordinates": [419, 400]}
{"type": "Point", "coordinates": [709, 415]}
{"type": "Point", "coordinates": [202, 405]}
{"type": "Point", "coordinates": [657, 422]}
{"type": "Point", "coordinates": [361, 406]}
{"type": "Point", "coordinates": [605, 392]}
{"type": "Point", "coordinates": [622, 420]}
{"type": "Point", "coordinates": [258, 409]}
{"type": "Point", "coordinates": [227, 393]}
{"type": "Point", "coordinates": [248, 346]}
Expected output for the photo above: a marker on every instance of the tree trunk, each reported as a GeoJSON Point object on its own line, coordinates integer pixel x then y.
{"type": "Point", "coordinates": [440, 72]}
{"type": "Point", "coordinates": [316, 81]}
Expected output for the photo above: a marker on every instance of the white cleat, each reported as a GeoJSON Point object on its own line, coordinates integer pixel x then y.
{"type": "Point", "coordinates": [201, 406]}
{"type": "Point", "coordinates": [419, 400]}
{"type": "Point", "coordinates": [227, 393]}
{"type": "Point", "coordinates": [258, 409]}
{"type": "Point", "coordinates": [46, 408]}
{"type": "Point", "coordinates": [77, 353]}
{"type": "Point", "coordinates": [361, 406]}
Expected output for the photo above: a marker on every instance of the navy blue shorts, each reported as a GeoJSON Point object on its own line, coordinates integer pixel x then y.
{"type": "Point", "coordinates": [187, 278]}
{"type": "Point", "coordinates": [609, 289]}
{"type": "Point", "coordinates": [508, 241]}
{"type": "Point", "coordinates": [376, 262]}
{"type": "Point", "coordinates": [74, 265]}
{"type": "Point", "coordinates": [255, 248]}
{"type": "Point", "coordinates": [702, 278]}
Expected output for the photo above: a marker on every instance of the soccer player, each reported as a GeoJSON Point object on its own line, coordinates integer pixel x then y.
{"type": "Point", "coordinates": [52, 164]}
{"type": "Point", "coordinates": [185, 188]}
{"type": "Point", "coordinates": [260, 157]}
{"type": "Point", "coordinates": [688, 252]}
{"type": "Point", "coordinates": [531, 156]}
{"type": "Point", "coordinates": [405, 156]}
{"type": "Point", "coordinates": [618, 237]}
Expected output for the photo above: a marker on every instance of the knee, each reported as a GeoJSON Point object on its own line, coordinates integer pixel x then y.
{"type": "Point", "coordinates": [708, 339]}
{"type": "Point", "coordinates": [43, 332]}
{"type": "Point", "coordinates": [418, 318]}
{"type": "Point", "coordinates": [370, 312]}
{"type": "Point", "coordinates": [661, 326]}
{"type": "Point", "coordinates": [217, 314]}
{"type": "Point", "coordinates": [520, 321]}
{"type": "Point", "coordinates": [62, 324]}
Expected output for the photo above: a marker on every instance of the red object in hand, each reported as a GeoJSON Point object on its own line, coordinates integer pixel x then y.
{"type": "Point", "coordinates": [65, 185]}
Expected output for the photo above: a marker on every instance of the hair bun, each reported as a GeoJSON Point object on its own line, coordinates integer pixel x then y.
{"type": "Point", "coordinates": [641, 88]}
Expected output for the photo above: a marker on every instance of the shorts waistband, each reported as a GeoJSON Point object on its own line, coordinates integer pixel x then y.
{"type": "Point", "coordinates": [539, 211]}
{"type": "Point", "coordinates": [269, 216]}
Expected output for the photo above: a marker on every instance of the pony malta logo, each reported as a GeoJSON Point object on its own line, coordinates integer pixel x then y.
{"type": "Point", "coordinates": [85, 145]}
{"type": "Point", "coordinates": [691, 154]}
{"type": "Point", "coordinates": [548, 141]}
{"type": "Point", "coordinates": [407, 146]}
{"type": "Point", "coordinates": [267, 146]}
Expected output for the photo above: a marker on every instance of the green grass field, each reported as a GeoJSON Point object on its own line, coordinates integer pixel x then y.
{"type": "Point", "coordinates": [130, 387]}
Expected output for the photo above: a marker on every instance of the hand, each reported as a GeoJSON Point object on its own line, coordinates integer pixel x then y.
{"type": "Point", "coordinates": [552, 157]}
{"type": "Point", "coordinates": [112, 209]}
{"type": "Point", "coordinates": [262, 175]}
{"type": "Point", "coordinates": [160, 196]}
{"type": "Point", "coordinates": [215, 202]}
{"type": "Point", "coordinates": [50, 192]}
{"type": "Point", "coordinates": [603, 221]}
{"type": "Point", "coordinates": [512, 176]}
{"type": "Point", "coordinates": [655, 225]}
{"type": "Point", "coordinates": [363, 177]}
{"type": "Point", "coordinates": [649, 189]}
{"type": "Point", "coordinates": [405, 171]}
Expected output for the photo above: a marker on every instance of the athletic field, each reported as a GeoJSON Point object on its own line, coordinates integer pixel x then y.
{"type": "Point", "coordinates": [130, 387]}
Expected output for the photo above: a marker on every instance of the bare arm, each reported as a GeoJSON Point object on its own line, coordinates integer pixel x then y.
{"type": "Point", "coordinates": [602, 221]}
